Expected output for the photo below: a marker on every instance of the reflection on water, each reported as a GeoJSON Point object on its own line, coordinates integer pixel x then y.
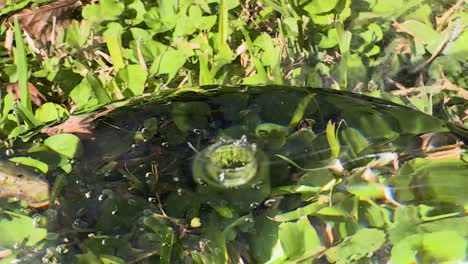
{"type": "Point", "coordinates": [204, 176]}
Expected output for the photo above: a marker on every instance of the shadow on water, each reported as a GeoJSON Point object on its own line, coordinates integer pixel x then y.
{"type": "Point", "coordinates": [196, 174]}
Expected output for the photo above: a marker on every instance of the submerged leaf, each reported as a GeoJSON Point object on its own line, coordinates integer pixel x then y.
{"type": "Point", "coordinates": [360, 245]}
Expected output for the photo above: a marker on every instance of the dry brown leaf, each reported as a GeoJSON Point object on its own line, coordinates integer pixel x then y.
{"type": "Point", "coordinates": [36, 97]}
{"type": "Point", "coordinates": [82, 124]}
{"type": "Point", "coordinates": [447, 15]}
{"type": "Point", "coordinates": [47, 22]}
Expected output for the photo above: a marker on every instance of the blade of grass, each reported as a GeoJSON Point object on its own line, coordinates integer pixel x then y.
{"type": "Point", "coordinates": [344, 43]}
{"type": "Point", "coordinates": [22, 68]}
{"type": "Point", "coordinates": [114, 44]}
{"type": "Point", "coordinates": [223, 24]}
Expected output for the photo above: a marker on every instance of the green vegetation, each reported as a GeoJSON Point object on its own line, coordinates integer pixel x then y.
{"type": "Point", "coordinates": [343, 178]}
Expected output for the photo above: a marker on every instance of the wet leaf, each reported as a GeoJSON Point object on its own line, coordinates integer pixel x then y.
{"type": "Point", "coordinates": [358, 246]}
{"type": "Point", "coordinates": [16, 228]}
{"type": "Point", "coordinates": [298, 239]}
{"type": "Point", "coordinates": [191, 115]}
{"type": "Point", "coordinates": [438, 246]}
{"type": "Point", "coordinates": [43, 167]}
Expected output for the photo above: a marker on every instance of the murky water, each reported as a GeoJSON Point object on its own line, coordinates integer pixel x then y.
{"type": "Point", "coordinates": [202, 175]}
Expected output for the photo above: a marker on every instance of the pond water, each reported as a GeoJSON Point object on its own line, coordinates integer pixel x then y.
{"type": "Point", "coordinates": [253, 175]}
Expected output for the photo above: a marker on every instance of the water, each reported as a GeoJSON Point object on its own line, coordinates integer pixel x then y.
{"type": "Point", "coordinates": [325, 162]}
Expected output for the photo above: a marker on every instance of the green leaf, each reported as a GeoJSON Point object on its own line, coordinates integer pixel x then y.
{"type": "Point", "coordinates": [22, 68]}
{"type": "Point", "coordinates": [298, 239]}
{"type": "Point", "coordinates": [77, 34]}
{"type": "Point", "coordinates": [132, 77]}
{"type": "Point", "coordinates": [64, 144]}
{"type": "Point", "coordinates": [309, 209]}
{"type": "Point", "coordinates": [422, 177]}
{"type": "Point", "coordinates": [49, 112]}
{"type": "Point", "coordinates": [354, 140]}
{"type": "Point", "coordinates": [271, 54]}
{"type": "Point", "coordinates": [444, 246]}
{"type": "Point", "coordinates": [458, 48]}
{"type": "Point", "coordinates": [16, 228]}
{"type": "Point", "coordinates": [190, 115]}
{"type": "Point", "coordinates": [420, 31]}
{"type": "Point", "coordinates": [43, 167]}
{"type": "Point", "coordinates": [114, 44]}
{"type": "Point", "coordinates": [358, 246]}
{"type": "Point", "coordinates": [318, 6]}
{"type": "Point", "coordinates": [333, 141]}
{"type": "Point", "coordinates": [273, 136]}
{"type": "Point", "coordinates": [168, 62]}
{"type": "Point", "coordinates": [103, 11]}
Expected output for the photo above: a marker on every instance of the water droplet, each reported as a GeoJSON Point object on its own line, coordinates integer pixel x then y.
{"type": "Point", "coordinates": [114, 212]}
{"type": "Point", "coordinates": [176, 179]}
{"type": "Point", "coordinates": [180, 191]}
{"type": "Point", "coordinates": [249, 220]}
{"type": "Point", "coordinates": [9, 152]}
{"type": "Point", "coordinates": [62, 249]}
{"type": "Point", "coordinates": [36, 220]}
{"type": "Point", "coordinates": [79, 224]}
{"type": "Point", "coordinates": [253, 205]}
{"type": "Point", "coordinates": [148, 174]}
{"type": "Point", "coordinates": [152, 199]}
{"type": "Point", "coordinates": [103, 242]}
{"type": "Point", "coordinates": [88, 194]}
{"type": "Point", "coordinates": [196, 131]}
{"type": "Point", "coordinates": [133, 146]}
{"type": "Point", "coordinates": [165, 144]}
{"type": "Point", "coordinates": [222, 176]}
{"type": "Point", "coordinates": [257, 186]}
{"type": "Point", "coordinates": [269, 202]}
